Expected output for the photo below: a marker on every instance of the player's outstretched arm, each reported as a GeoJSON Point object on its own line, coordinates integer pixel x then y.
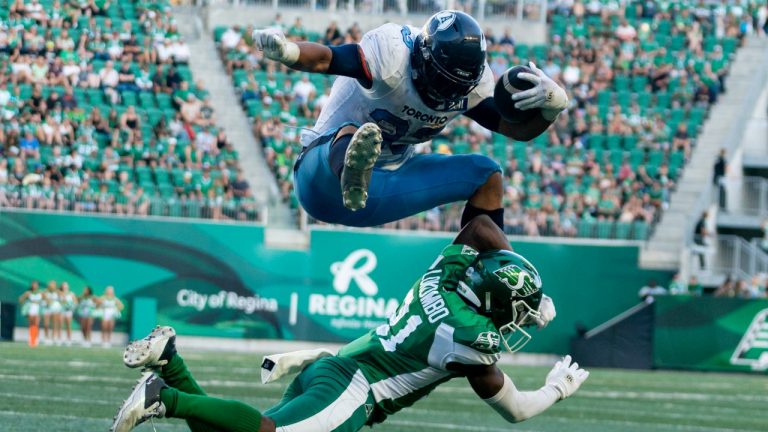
{"type": "Point", "coordinates": [487, 115]}
{"type": "Point", "coordinates": [344, 60]}
{"type": "Point", "coordinates": [546, 95]}
{"type": "Point", "coordinates": [498, 390]}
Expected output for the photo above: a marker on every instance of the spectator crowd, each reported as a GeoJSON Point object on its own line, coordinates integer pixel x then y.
{"type": "Point", "coordinates": [641, 77]}
{"type": "Point", "coordinates": [755, 287]}
{"type": "Point", "coordinates": [100, 114]}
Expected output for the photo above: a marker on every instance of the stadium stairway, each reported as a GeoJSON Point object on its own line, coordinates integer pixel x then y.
{"type": "Point", "coordinates": [205, 66]}
{"type": "Point", "coordinates": [724, 129]}
{"type": "Point", "coordinates": [756, 144]}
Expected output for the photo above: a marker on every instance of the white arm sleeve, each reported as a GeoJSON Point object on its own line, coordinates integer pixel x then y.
{"type": "Point", "coordinates": [516, 406]}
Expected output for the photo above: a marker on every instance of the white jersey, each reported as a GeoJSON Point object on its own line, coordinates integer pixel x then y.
{"type": "Point", "coordinates": [393, 101]}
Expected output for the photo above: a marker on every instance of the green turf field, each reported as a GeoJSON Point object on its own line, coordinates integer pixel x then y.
{"type": "Point", "coordinates": [75, 389]}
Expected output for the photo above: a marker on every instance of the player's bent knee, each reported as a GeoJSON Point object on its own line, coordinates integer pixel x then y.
{"type": "Point", "coordinates": [488, 195]}
{"type": "Point", "coordinates": [486, 165]}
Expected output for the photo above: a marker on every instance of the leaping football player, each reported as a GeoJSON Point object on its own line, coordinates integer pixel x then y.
{"type": "Point", "coordinates": [400, 86]}
{"type": "Point", "coordinates": [474, 301]}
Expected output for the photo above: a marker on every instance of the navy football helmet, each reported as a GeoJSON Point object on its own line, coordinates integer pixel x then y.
{"type": "Point", "coordinates": [448, 58]}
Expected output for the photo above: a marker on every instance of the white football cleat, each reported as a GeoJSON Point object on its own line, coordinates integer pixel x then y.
{"type": "Point", "coordinates": [361, 155]}
{"type": "Point", "coordinates": [143, 404]}
{"type": "Point", "coordinates": [153, 351]}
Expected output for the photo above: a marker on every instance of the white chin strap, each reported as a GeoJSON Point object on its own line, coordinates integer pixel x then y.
{"type": "Point", "coordinates": [515, 330]}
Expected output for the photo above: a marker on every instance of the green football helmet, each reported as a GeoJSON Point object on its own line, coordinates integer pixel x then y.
{"type": "Point", "coordinates": [506, 288]}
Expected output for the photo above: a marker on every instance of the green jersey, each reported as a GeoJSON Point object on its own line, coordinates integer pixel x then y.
{"type": "Point", "coordinates": [405, 359]}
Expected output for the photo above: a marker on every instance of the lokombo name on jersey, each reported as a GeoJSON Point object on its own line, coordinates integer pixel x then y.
{"type": "Point", "coordinates": [429, 296]}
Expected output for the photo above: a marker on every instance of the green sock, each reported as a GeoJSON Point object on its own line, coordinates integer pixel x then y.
{"type": "Point", "coordinates": [176, 375]}
{"type": "Point", "coordinates": [224, 415]}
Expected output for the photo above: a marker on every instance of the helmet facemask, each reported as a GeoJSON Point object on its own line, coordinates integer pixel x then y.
{"type": "Point", "coordinates": [439, 85]}
{"type": "Point", "coordinates": [522, 316]}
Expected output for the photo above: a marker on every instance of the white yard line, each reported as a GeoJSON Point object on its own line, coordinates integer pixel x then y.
{"type": "Point", "coordinates": [430, 426]}
{"type": "Point", "coordinates": [645, 425]}
{"type": "Point", "coordinates": [658, 396]}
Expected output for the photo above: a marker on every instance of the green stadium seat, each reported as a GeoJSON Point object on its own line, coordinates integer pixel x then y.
{"type": "Point", "coordinates": [630, 142]}
{"type": "Point", "coordinates": [644, 99]}
{"type": "Point", "coordinates": [147, 100]}
{"type": "Point", "coordinates": [596, 141]}
{"type": "Point", "coordinates": [616, 157]}
{"type": "Point", "coordinates": [164, 101]}
{"type": "Point", "coordinates": [218, 31]}
{"type": "Point", "coordinates": [604, 97]}
{"type": "Point", "coordinates": [655, 157]}
{"type": "Point", "coordinates": [662, 100]}
{"type": "Point", "coordinates": [729, 45]}
{"type": "Point", "coordinates": [636, 157]}
{"type": "Point", "coordinates": [677, 43]}
{"type": "Point", "coordinates": [613, 142]}
{"type": "Point", "coordinates": [239, 76]}
{"type": "Point", "coordinates": [621, 82]}
{"type": "Point", "coordinates": [638, 83]}
{"type": "Point", "coordinates": [676, 158]}
{"type": "Point", "coordinates": [663, 27]}
{"type": "Point", "coordinates": [624, 99]}
{"type": "Point", "coordinates": [522, 51]}
{"type": "Point", "coordinates": [128, 98]}
{"type": "Point", "coordinates": [676, 115]}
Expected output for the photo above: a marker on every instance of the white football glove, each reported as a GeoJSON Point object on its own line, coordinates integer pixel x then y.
{"type": "Point", "coordinates": [546, 94]}
{"type": "Point", "coordinates": [566, 377]}
{"type": "Point", "coordinates": [275, 46]}
{"type": "Point", "coordinates": [546, 311]}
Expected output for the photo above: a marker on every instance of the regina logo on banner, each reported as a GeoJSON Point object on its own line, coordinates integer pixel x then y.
{"type": "Point", "coordinates": [752, 350]}
{"type": "Point", "coordinates": [356, 302]}
{"type": "Point", "coordinates": [355, 267]}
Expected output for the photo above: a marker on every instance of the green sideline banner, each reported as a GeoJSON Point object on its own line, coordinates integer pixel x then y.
{"type": "Point", "coordinates": [216, 279]}
{"type": "Point", "coordinates": [726, 334]}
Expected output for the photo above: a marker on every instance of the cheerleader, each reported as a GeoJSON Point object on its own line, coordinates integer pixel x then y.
{"type": "Point", "coordinates": [86, 308]}
{"type": "Point", "coordinates": [68, 304]}
{"type": "Point", "coordinates": [110, 311]}
{"type": "Point", "coordinates": [32, 304]}
{"type": "Point", "coordinates": [52, 314]}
